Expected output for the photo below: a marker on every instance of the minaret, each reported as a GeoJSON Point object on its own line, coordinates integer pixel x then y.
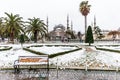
{"type": "Point", "coordinates": [94, 21]}
{"type": "Point", "coordinates": [47, 24]}
{"type": "Point", "coordinates": [92, 25]}
{"type": "Point", "coordinates": [67, 21]}
{"type": "Point", "coordinates": [71, 26]}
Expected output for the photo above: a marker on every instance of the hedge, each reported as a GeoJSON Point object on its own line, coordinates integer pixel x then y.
{"type": "Point", "coordinates": [8, 48]}
{"type": "Point", "coordinates": [111, 50]}
{"type": "Point", "coordinates": [62, 53]}
{"type": "Point", "coordinates": [32, 51]}
{"type": "Point", "coordinates": [52, 55]}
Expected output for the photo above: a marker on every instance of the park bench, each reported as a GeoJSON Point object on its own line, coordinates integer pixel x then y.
{"type": "Point", "coordinates": [31, 62]}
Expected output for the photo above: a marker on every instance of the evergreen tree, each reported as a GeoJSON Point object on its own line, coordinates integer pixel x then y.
{"type": "Point", "coordinates": [79, 36]}
{"type": "Point", "coordinates": [22, 39]}
{"type": "Point", "coordinates": [89, 36]}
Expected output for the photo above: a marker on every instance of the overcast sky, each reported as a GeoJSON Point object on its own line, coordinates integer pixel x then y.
{"type": "Point", "coordinates": [107, 12]}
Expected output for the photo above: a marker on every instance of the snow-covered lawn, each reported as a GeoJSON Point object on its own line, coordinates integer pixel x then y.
{"type": "Point", "coordinates": [52, 49]}
{"type": "Point", "coordinates": [110, 47]}
{"type": "Point", "coordinates": [92, 59]}
{"type": "Point", "coordinates": [8, 57]}
{"type": "Point", "coordinates": [88, 56]}
{"type": "Point", "coordinates": [3, 47]}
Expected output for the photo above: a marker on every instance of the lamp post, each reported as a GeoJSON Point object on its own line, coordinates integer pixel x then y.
{"type": "Point", "coordinates": [116, 68]}
{"type": "Point", "coordinates": [86, 63]}
{"type": "Point", "coordinates": [117, 65]}
{"type": "Point", "coordinates": [57, 67]}
{"type": "Point", "coordinates": [85, 60]}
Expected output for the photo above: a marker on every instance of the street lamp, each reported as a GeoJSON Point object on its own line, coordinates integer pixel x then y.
{"type": "Point", "coordinates": [57, 67]}
{"type": "Point", "coordinates": [85, 60]}
{"type": "Point", "coordinates": [117, 65]}
{"type": "Point", "coordinates": [116, 68]}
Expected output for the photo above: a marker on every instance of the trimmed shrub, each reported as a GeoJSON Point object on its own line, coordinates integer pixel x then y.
{"type": "Point", "coordinates": [62, 53]}
{"type": "Point", "coordinates": [6, 48]}
{"type": "Point", "coordinates": [111, 50]}
{"type": "Point", "coordinates": [52, 55]}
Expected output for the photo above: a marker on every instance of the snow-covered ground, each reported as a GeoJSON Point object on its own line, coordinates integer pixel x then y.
{"type": "Point", "coordinates": [8, 57]}
{"type": "Point", "coordinates": [52, 49]}
{"type": "Point", "coordinates": [88, 56]}
{"type": "Point", "coordinates": [111, 47]}
{"type": "Point", "coordinates": [93, 59]}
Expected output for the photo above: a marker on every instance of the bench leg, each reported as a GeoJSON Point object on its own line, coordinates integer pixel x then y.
{"type": "Point", "coordinates": [16, 69]}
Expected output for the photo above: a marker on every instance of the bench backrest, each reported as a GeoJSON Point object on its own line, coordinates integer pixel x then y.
{"type": "Point", "coordinates": [33, 60]}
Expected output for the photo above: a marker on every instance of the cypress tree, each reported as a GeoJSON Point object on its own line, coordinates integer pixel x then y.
{"type": "Point", "coordinates": [89, 36]}
{"type": "Point", "coordinates": [22, 39]}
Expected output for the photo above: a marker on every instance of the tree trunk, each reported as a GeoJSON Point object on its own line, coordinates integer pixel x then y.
{"type": "Point", "coordinates": [12, 37]}
{"type": "Point", "coordinates": [85, 25]}
{"type": "Point", "coordinates": [22, 45]}
{"type": "Point", "coordinates": [35, 37]}
{"type": "Point", "coordinates": [89, 44]}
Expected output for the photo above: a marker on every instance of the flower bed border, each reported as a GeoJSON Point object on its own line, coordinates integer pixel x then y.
{"type": "Point", "coordinates": [52, 55]}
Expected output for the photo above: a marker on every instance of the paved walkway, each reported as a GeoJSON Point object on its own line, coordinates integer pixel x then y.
{"type": "Point", "coordinates": [62, 75]}
{"type": "Point", "coordinates": [83, 75]}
